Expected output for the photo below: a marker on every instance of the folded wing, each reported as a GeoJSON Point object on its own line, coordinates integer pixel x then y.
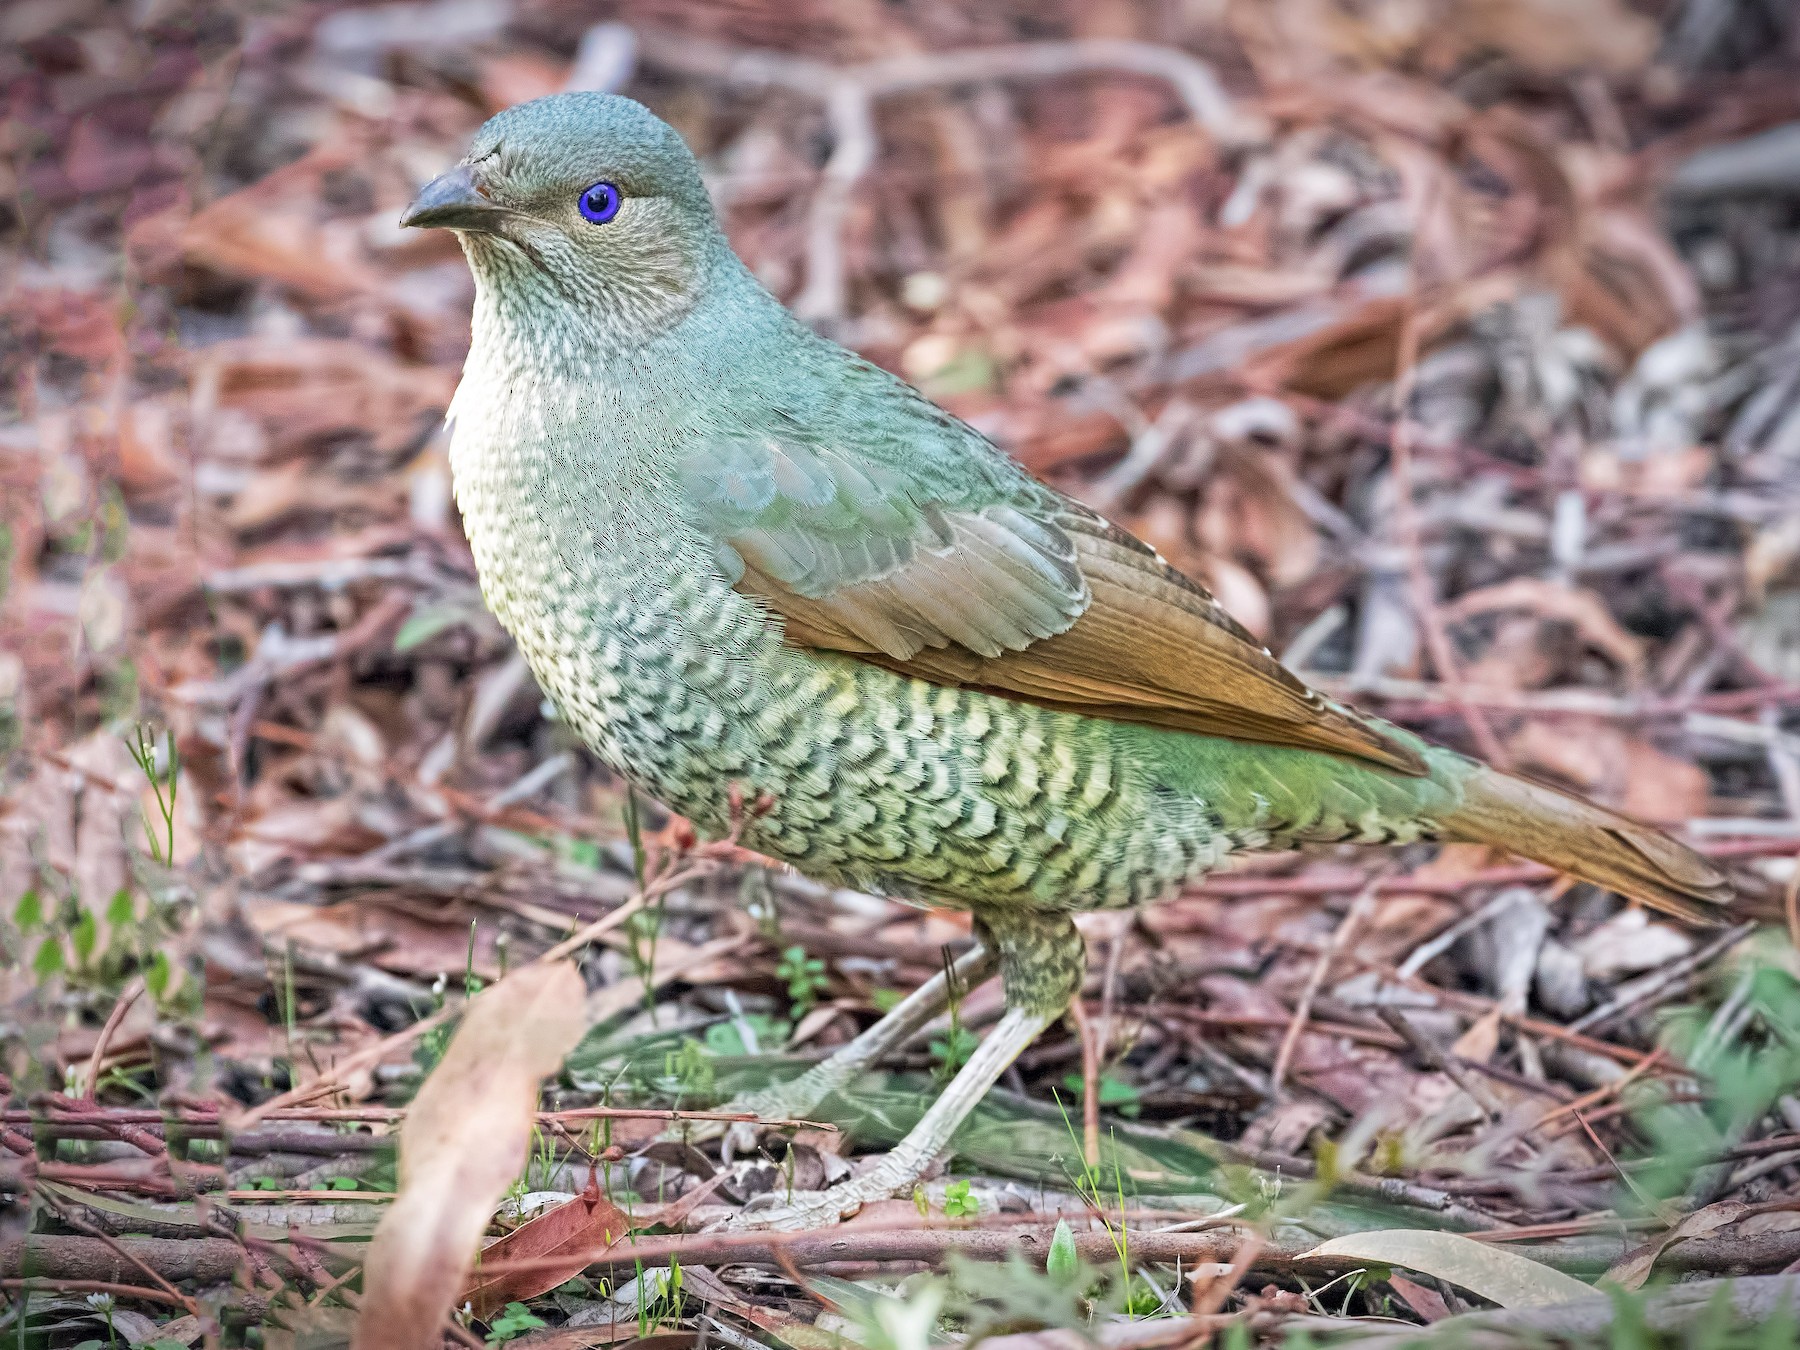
{"type": "Point", "coordinates": [996, 582]}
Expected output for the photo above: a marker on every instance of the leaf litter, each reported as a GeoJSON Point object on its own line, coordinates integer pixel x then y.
{"type": "Point", "coordinates": [229, 537]}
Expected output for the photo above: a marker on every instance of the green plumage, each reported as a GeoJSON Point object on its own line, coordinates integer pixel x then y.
{"type": "Point", "coordinates": [598, 490]}
{"type": "Point", "coordinates": [737, 556]}
{"type": "Point", "coordinates": [744, 562]}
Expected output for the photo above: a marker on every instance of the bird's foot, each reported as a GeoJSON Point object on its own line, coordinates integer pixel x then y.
{"type": "Point", "coordinates": [797, 1211]}
{"type": "Point", "coordinates": [800, 1097]}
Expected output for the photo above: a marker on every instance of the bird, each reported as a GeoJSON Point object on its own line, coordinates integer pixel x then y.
{"type": "Point", "coordinates": [745, 563]}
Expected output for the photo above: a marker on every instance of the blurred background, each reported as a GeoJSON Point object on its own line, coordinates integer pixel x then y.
{"type": "Point", "coordinates": [1187, 259]}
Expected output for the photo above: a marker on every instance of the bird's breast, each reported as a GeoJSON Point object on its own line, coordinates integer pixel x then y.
{"type": "Point", "coordinates": [630, 631]}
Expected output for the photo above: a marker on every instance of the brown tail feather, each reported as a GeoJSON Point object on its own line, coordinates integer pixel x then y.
{"type": "Point", "coordinates": [1592, 843]}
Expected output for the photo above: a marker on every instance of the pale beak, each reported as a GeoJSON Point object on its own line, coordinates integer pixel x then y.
{"type": "Point", "coordinates": [451, 201]}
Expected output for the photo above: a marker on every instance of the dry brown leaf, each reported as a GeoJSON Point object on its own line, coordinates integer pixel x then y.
{"type": "Point", "coordinates": [1628, 943]}
{"type": "Point", "coordinates": [1635, 1267]}
{"type": "Point", "coordinates": [519, 77]}
{"type": "Point", "coordinates": [1583, 609]}
{"type": "Point", "coordinates": [583, 1222]}
{"type": "Point", "coordinates": [1427, 1303]}
{"type": "Point", "coordinates": [463, 1143]}
{"type": "Point", "coordinates": [1773, 556]}
{"type": "Point", "coordinates": [1485, 1268]}
{"type": "Point", "coordinates": [269, 230]}
{"type": "Point", "coordinates": [1547, 37]}
{"type": "Point", "coordinates": [1249, 510]}
{"type": "Point", "coordinates": [1554, 37]}
{"type": "Point", "coordinates": [1478, 1044]}
{"type": "Point", "coordinates": [1169, 234]}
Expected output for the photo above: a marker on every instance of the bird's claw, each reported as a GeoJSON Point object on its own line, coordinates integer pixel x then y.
{"type": "Point", "coordinates": [797, 1211]}
{"type": "Point", "coordinates": [740, 1139]}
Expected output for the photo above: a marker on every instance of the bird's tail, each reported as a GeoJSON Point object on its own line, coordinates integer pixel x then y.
{"type": "Point", "coordinates": [1590, 842]}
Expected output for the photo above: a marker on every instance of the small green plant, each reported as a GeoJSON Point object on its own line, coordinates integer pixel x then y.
{"type": "Point", "coordinates": [658, 1296]}
{"type": "Point", "coordinates": [512, 1323]}
{"type": "Point", "coordinates": [1062, 1262]}
{"type": "Point", "coordinates": [958, 1203]}
{"type": "Point", "coordinates": [163, 784]}
{"type": "Point", "coordinates": [1087, 1184]}
{"type": "Point", "coordinates": [583, 853]}
{"type": "Point", "coordinates": [805, 979]}
{"type": "Point", "coordinates": [951, 1051]}
{"type": "Point", "coordinates": [1140, 1300]}
{"type": "Point", "coordinates": [103, 1304]}
{"type": "Point", "coordinates": [540, 1168]}
{"type": "Point", "coordinates": [433, 1043]}
{"type": "Point", "coordinates": [727, 1038]}
{"type": "Point", "coordinates": [688, 1069]}
{"type": "Point", "coordinates": [1114, 1093]}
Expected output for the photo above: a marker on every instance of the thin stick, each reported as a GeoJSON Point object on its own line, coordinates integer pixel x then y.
{"type": "Point", "coordinates": [1648, 1202]}
{"type": "Point", "coordinates": [127, 996]}
{"type": "Point", "coordinates": [1651, 985]}
{"type": "Point", "coordinates": [1406, 521]}
{"type": "Point", "coordinates": [77, 1222]}
{"type": "Point", "coordinates": [1360, 909]}
{"type": "Point", "coordinates": [1601, 1093]}
{"type": "Point", "coordinates": [1434, 1058]}
{"type": "Point", "coordinates": [1090, 1082]}
{"type": "Point", "coordinates": [1213, 1296]}
{"type": "Point", "coordinates": [49, 1285]}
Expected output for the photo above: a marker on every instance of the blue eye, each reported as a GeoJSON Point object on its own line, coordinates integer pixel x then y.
{"type": "Point", "coordinates": [600, 203]}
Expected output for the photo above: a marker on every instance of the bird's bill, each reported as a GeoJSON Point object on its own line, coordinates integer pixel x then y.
{"type": "Point", "coordinates": [452, 201]}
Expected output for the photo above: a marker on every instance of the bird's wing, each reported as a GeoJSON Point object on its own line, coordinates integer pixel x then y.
{"type": "Point", "coordinates": [987, 579]}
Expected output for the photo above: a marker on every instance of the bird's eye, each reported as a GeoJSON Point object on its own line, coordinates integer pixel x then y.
{"type": "Point", "coordinates": [600, 203]}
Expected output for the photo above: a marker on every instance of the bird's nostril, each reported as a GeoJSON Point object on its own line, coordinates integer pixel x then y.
{"type": "Point", "coordinates": [453, 201]}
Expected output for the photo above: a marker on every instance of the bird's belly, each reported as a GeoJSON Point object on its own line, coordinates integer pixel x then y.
{"type": "Point", "coordinates": [871, 779]}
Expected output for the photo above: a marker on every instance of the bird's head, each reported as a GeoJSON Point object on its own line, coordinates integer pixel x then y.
{"type": "Point", "coordinates": [589, 202]}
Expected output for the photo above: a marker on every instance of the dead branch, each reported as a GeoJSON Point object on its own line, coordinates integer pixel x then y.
{"type": "Point", "coordinates": [1753, 1299]}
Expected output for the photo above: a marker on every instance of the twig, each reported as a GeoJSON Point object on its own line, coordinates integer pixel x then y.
{"type": "Point", "coordinates": [1212, 1298]}
{"type": "Point", "coordinates": [1090, 1082]}
{"type": "Point", "coordinates": [1147, 451]}
{"type": "Point", "coordinates": [416, 841]}
{"type": "Point", "coordinates": [1601, 1093]}
{"type": "Point", "coordinates": [1406, 522]}
{"type": "Point", "coordinates": [50, 1285]}
{"type": "Point", "coordinates": [1647, 1201]}
{"type": "Point", "coordinates": [894, 1244]}
{"type": "Point", "coordinates": [1641, 991]}
{"type": "Point", "coordinates": [1434, 1058]}
{"type": "Point", "coordinates": [122, 1005]}
{"type": "Point", "coordinates": [1429, 950]}
{"type": "Point", "coordinates": [1359, 910]}
{"type": "Point", "coordinates": [77, 1222]}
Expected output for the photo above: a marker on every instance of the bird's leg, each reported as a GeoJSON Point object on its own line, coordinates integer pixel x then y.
{"type": "Point", "coordinates": [1041, 964]}
{"type": "Point", "coordinates": [800, 1097]}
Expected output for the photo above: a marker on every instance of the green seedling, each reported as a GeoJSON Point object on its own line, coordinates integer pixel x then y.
{"type": "Point", "coordinates": [512, 1323]}
{"type": "Point", "coordinates": [805, 979]}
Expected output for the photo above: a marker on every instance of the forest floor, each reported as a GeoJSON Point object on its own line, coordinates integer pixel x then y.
{"type": "Point", "coordinates": [278, 797]}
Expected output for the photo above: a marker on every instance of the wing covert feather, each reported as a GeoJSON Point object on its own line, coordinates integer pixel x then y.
{"type": "Point", "coordinates": [923, 550]}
